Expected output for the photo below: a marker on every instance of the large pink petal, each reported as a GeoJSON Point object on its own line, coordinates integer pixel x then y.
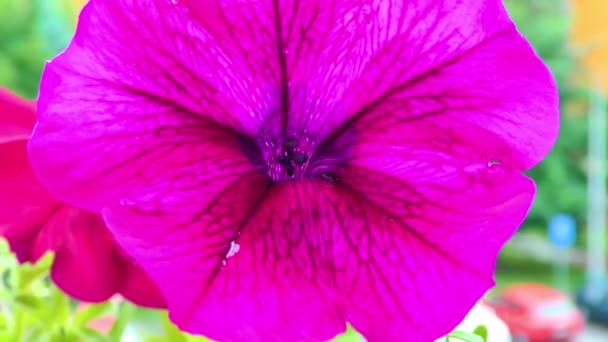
{"type": "Point", "coordinates": [280, 45]}
{"type": "Point", "coordinates": [401, 253]}
{"type": "Point", "coordinates": [141, 106]}
{"type": "Point", "coordinates": [330, 70]}
{"type": "Point", "coordinates": [140, 145]}
{"type": "Point", "coordinates": [438, 223]}
{"type": "Point", "coordinates": [149, 49]}
{"type": "Point", "coordinates": [140, 289]}
{"type": "Point", "coordinates": [17, 117]}
{"type": "Point", "coordinates": [87, 265]}
{"type": "Point", "coordinates": [127, 92]}
{"type": "Point", "coordinates": [215, 274]}
{"type": "Point", "coordinates": [455, 70]}
{"type": "Point", "coordinates": [25, 205]}
{"type": "Point", "coordinates": [459, 66]}
{"type": "Point", "coordinates": [497, 98]}
{"type": "Point", "coordinates": [348, 63]}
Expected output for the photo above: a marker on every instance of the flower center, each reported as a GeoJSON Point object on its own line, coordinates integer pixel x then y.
{"type": "Point", "coordinates": [298, 156]}
{"type": "Point", "coordinates": [285, 158]}
{"type": "Point", "coordinates": [291, 159]}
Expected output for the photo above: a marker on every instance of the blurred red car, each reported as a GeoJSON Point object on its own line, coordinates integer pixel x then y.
{"type": "Point", "coordinates": [538, 313]}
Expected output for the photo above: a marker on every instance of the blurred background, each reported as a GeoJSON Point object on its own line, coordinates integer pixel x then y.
{"type": "Point", "coordinates": [555, 265]}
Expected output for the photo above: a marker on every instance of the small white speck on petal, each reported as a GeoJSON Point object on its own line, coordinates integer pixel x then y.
{"type": "Point", "coordinates": [234, 248]}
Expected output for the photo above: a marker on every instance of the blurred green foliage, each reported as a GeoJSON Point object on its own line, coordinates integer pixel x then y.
{"type": "Point", "coordinates": [32, 309]}
{"type": "Point", "coordinates": [22, 53]}
{"type": "Point", "coordinates": [561, 177]}
{"type": "Point", "coordinates": [31, 32]}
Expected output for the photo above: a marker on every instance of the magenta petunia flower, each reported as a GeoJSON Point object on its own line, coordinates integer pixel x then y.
{"type": "Point", "coordinates": [88, 264]}
{"type": "Point", "coordinates": [280, 168]}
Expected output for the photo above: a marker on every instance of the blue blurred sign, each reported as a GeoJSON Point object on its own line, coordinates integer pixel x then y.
{"type": "Point", "coordinates": [562, 230]}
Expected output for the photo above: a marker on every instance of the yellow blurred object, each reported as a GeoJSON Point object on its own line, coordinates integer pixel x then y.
{"type": "Point", "coordinates": [590, 34]}
{"type": "Point", "coordinates": [73, 8]}
{"type": "Point", "coordinates": [79, 3]}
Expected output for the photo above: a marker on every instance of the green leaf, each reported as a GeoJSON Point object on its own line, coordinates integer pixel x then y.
{"type": "Point", "coordinates": [19, 323]}
{"type": "Point", "coordinates": [192, 338]}
{"type": "Point", "coordinates": [90, 313]}
{"type": "Point", "coordinates": [6, 336]}
{"type": "Point", "coordinates": [34, 333]}
{"type": "Point", "coordinates": [481, 331]}
{"type": "Point", "coordinates": [91, 335]}
{"type": "Point", "coordinates": [29, 301]}
{"type": "Point", "coordinates": [172, 332]}
{"type": "Point", "coordinates": [3, 322]}
{"type": "Point", "coordinates": [62, 334]}
{"type": "Point", "coordinates": [155, 339]}
{"type": "Point", "coordinates": [463, 336]}
{"type": "Point", "coordinates": [30, 274]}
{"type": "Point", "coordinates": [351, 335]}
{"type": "Point", "coordinates": [4, 248]}
{"type": "Point", "coordinates": [126, 312]}
{"type": "Point", "coordinates": [58, 308]}
{"type": "Point", "coordinates": [10, 278]}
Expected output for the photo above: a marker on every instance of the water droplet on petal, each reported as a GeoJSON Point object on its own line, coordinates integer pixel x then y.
{"type": "Point", "coordinates": [142, 207]}
{"type": "Point", "coordinates": [126, 202]}
{"type": "Point", "coordinates": [493, 162]}
{"type": "Point", "coordinates": [234, 248]}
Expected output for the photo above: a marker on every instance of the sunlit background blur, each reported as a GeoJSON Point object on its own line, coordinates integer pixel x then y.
{"type": "Point", "coordinates": [563, 242]}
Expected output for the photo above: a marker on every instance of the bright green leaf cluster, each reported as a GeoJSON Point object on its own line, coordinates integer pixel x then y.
{"type": "Point", "coordinates": [32, 309]}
